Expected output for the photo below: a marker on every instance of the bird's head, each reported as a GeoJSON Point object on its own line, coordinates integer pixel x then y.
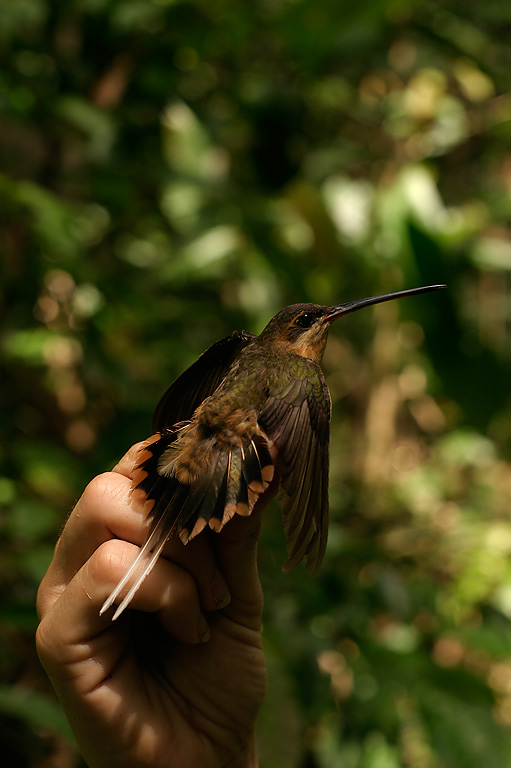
{"type": "Point", "coordinates": [300, 328]}
{"type": "Point", "coordinates": [303, 328]}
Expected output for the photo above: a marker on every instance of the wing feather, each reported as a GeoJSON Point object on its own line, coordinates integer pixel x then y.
{"type": "Point", "coordinates": [298, 421]}
{"type": "Point", "coordinates": [199, 381]}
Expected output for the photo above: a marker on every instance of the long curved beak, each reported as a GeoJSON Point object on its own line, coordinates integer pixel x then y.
{"type": "Point", "coordinates": [352, 306]}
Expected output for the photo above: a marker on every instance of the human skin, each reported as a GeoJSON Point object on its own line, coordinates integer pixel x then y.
{"type": "Point", "coordinates": [179, 678]}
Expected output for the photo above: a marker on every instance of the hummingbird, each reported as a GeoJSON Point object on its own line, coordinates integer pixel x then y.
{"type": "Point", "coordinates": [248, 408]}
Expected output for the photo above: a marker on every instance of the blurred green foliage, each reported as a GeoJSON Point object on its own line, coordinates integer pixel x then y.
{"type": "Point", "coordinates": [172, 170]}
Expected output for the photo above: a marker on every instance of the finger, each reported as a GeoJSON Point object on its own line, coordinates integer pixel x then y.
{"type": "Point", "coordinates": [105, 512]}
{"type": "Point", "coordinates": [73, 633]}
{"type": "Point", "coordinates": [168, 590]}
{"type": "Point", "coordinates": [102, 513]}
{"type": "Point", "coordinates": [199, 558]}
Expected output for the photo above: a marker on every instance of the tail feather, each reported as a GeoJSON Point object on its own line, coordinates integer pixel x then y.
{"type": "Point", "coordinates": [255, 474]}
{"type": "Point", "coordinates": [233, 485]}
{"type": "Point", "coordinates": [210, 499]}
{"type": "Point", "coordinates": [251, 468]}
{"type": "Point", "coordinates": [151, 452]}
{"type": "Point", "coordinates": [266, 463]}
{"type": "Point", "coordinates": [230, 484]}
{"type": "Point", "coordinates": [188, 522]}
{"type": "Point", "coordinates": [242, 506]}
{"type": "Point", "coordinates": [148, 484]}
{"type": "Point", "coordinates": [216, 519]}
{"type": "Point", "coordinates": [151, 550]}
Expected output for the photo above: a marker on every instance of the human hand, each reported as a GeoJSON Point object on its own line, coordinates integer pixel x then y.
{"type": "Point", "coordinates": [180, 680]}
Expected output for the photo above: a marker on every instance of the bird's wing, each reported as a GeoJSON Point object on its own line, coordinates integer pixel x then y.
{"type": "Point", "coordinates": [299, 424]}
{"type": "Point", "coordinates": [199, 381]}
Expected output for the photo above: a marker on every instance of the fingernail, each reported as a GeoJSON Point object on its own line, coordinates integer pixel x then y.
{"type": "Point", "coordinates": [220, 593]}
{"type": "Point", "coordinates": [204, 630]}
{"type": "Point", "coordinates": [222, 602]}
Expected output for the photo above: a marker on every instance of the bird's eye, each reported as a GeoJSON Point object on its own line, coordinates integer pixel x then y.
{"type": "Point", "coordinates": [306, 320]}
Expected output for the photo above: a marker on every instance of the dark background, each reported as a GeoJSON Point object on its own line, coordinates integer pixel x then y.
{"type": "Point", "coordinates": [172, 171]}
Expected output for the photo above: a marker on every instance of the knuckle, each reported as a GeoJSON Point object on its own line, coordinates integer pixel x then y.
{"type": "Point", "coordinates": [100, 493]}
{"type": "Point", "coordinates": [99, 488]}
{"type": "Point", "coordinates": [109, 561]}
